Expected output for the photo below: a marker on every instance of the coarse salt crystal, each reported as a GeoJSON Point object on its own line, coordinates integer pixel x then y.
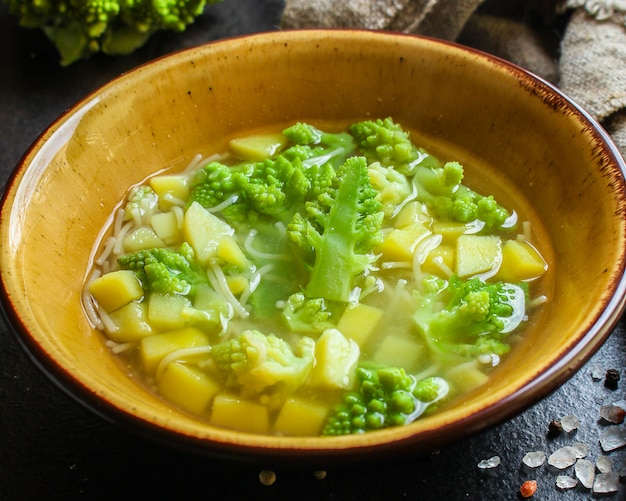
{"type": "Point", "coordinates": [606, 483]}
{"type": "Point", "coordinates": [585, 472]}
{"type": "Point", "coordinates": [564, 482]}
{"type": "Point", "coordinates": [612, 438]}
{"type": "Point", "coordinates": [492, 462]}
{"type": "Point", "coordinates": [581, 450]}
{"type": "Point", "coordinates": [597, 373]}
{"type": "Point", "coordinates": [563, 458]}
{"type": "Point", "coordinates": [604, 464]}
{"type": "Point", "coordinates": [570, 423]}
{"type": "Point", "coordinates": [612, 414]}
{"type": "Point", "coordinates": [534, 459]}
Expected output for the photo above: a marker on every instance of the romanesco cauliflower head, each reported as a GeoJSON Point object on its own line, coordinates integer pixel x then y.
{"type": "Point", "coordinates": [79, 29]}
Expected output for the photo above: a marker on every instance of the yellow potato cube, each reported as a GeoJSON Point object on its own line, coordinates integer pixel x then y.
{"type": "Point", "coordinates": [359, 322]}
{"type": "Point", "coordinates": [165, 226]}
{"type": "Point", "coordinates": [131, 321]}
{"type": "Point", "coordinates": [300, 418]}
{"type": "Point", "coordinates": [153, 348]}
{"type": "Point", "coordinates": [140, 239]}
{"type": "Point", "coordinates": [477, 254]}
{"type": "Point", "coordinates": [336, 357]}
{"type": "Point", "coordinates": [113, 290]}
{"type": "Point", "coordinates": [229, 411]}
{"type": "Point", "coordinates": [413, 212]}
{"type": "Point", "coordinates": [229, 251]}
{"type": "Point", "coordinates": [449, 230]}
{"type": "Point", "coordinates": [520, 261]}
{"type": "Point", "coordinates": [400, 244]}
{"type": "Point", "coordinates": [439, 261]}
{"type": "Point", "coordinates": [258, 147]}
{"type": "Point", "coordinates": [167, 186]}
{"type": "Point", "coordinates": [187, 387]}
{"type": "Point", "coordinates": [165, 311]}
{"type": "Point", "coordinates": [397, 351]}
{"type": "Point", "coordinates": [204, 231]}
{"type": "Point", "coordinates": [467, 377]}
{"type": "Point", "coordinates": [237, 284]}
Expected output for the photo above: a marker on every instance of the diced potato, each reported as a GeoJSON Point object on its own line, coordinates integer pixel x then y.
{"type": "Point", "coordinates": [116, 289]}
{"type": "Point", "coordinates": [300, 418]}
{"type": "Point", "coordinates": [438, 259]}
{"type": "Point", "coordinates": [520, 261]}
{"type": "Point", "coordinates": [131, 321]}
{"type": "Point", "coordinates": [204, 231]}
{"type": "Point", "coordinates": [413, 212]}
{"type": "Point", "coordinates": [187, 387]}
{"type": "Point", "coordinates": [230, 411]}
{"type": "Point", "coordinates": [398, 352]}
{"type": "Point", "coordinates": [258, 147]}
{"type": "Point", "coordinates": [467, 377]}
{"type": "Point", "coordinates": [140, 239]}
{"type": "Point", "coordinates": [237, 284]}
{"type": "Point", "coordinates": [476, 254]}
{"type": "Point", "coordinates": [449, 230]}
{"type": "Point", "coordinates": [170, 186]}
{"type": "Point", "coordinates": [400, 244]}
{"type": "Point", "coordinates": [229, 251]}
{"type": "Point", "coordinates": [165, 311]}
{"type": "Point", "coordinates": [165, 225]}
{"type": "Point", "coordinates": [153, 348]}
{"type": "Point", "coordinates": [359, 322]}
{"type": "Point", "coordinates": [336, 357]}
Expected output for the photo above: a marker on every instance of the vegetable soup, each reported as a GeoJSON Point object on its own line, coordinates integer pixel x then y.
{"type": "Point", "coordinates": [308, 282]}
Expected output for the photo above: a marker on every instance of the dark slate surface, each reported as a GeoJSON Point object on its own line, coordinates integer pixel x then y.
{"type": "Point", "coordinates": [53, 448]}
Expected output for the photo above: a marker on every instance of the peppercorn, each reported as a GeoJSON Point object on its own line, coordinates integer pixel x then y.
{"type": "Point", "coordinates": [611, 379]}
{"type": "Point", "coordinates": [554, 428]}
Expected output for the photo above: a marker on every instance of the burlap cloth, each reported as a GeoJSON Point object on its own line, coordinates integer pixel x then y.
{"type": "Point", "coordinates": [578, 45]}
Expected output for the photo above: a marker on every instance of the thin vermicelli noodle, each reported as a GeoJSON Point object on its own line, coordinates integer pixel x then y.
{"type": "Point", "coordinates": [179, 355]}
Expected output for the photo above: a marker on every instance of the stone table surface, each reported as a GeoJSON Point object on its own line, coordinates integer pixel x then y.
{"type": "Point", "coordinates": [53, 448]}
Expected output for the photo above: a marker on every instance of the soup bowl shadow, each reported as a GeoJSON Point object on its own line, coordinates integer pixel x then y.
{"type": "Point", "coordinates": [163, 113]}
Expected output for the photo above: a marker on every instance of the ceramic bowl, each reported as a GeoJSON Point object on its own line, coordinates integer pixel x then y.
{"type": "Point", "coordinates": [163, 113]}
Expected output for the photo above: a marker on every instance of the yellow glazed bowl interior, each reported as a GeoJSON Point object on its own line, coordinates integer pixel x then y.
{"type": "Point", "coordinates": [162, 114]}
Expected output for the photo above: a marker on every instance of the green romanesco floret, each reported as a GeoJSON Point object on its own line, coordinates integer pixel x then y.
{"type": "Point", "coordinates": [327, 147]}
{"type": "Point", "coordinates": [165, 271]}
{"type": "Point", "coordinates": [272, 189]}
{"type": "Point", "coordinates": [468, 318]}
{"type": "Point", "coordinates": [307, 315]}
{"type": "Point", "coordinates": [340, 229]}
{"type": "Point", "coordinates": [385, 141]}
{"type": "Point", "coordinates": [142, 201]}
{"type": "Point", "coordinates": [384, 397]}
{"type": "Point", "coordinates": [79, 29]}
{"type": "Point", "coordinates": [441, 189]}
{"type": "Point", "coordinates": [259, 363]}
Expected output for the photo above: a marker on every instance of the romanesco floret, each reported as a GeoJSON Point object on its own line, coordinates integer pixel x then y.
{"type": "Point", "coordinates": [441, 189]}
{"type": "Point", "coordinates": [273, 189]}
{"type": "Point", "coordinates": [327, 147]}
{"type": "Point", "coordinates": [142, 201]}
{"type": "Point", "coordinates": [302, 314]}
{"type": "Point", "coordinates": [385, 141]}
{"type": "Point", "coordinates": [467, 318]}
{"type": "Point", "coordinates": [79, 29]}
{"type": "Point", "coordinates": [341, 228]}
{"type": "Point", "coordinates": [165, 271]}
{"type": "Point", "coordinates": [385, 397]}
{"type": "Point", "coordinates": [258, 362]}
